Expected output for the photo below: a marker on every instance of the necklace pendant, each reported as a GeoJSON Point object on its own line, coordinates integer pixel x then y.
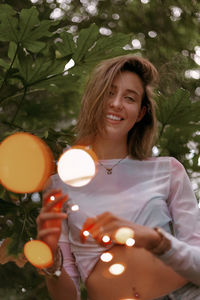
{"type": "Point", "coordinates": [109, 171]}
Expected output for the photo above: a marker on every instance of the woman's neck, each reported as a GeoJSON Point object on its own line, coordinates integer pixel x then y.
{"type": "Point", "coordinates": [107, 149]}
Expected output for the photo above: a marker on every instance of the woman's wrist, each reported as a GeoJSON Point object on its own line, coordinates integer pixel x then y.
{"type": "Point", "coordinates": [55, 270]}
{"type": "Point", "coordinates": [162, 245]}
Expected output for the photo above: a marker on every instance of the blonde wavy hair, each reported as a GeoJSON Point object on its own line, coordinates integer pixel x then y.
{"type": "Point", "coordinates": [91, 118]}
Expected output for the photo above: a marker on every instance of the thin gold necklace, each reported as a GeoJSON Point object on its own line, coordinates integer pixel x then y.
{"type": "Point", "coordinates": [109, 170]}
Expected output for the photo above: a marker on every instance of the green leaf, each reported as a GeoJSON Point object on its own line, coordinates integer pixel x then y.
{"type": "Point", "coordinates": [175, 108]}
{"type": "Point", "coordinates": [8, 29]}
{"type": "Point", "coordinates": [34, 46]}
{"type": "Point", "coordinates": [4, 64]}
{"type": "Point", "coordinates": [42, 29]}
{"type": "Point", "coordinates": [103, 48]}
{"type": "Point", "coordinates": [195, 109]}
{"type": "Point", "coordinates": [36, 32]}
{"type": "Point", "coordinates": [6, 10]}
{"type": "Point", "coordinates": [107, 47]}
{"type": "Point", "coordinates": [31, 29]}
{"type": "Point", "coordinates": [86, 40]}
{"type": "Point", "coordinates": [33, 71]}
{"type": "Point", "coordinates": [27, 30]}
{"type": "Point", "coordinates": [11, 50]}
{"type": "Point", "coordinates": [27, 20]}
{"type": "Point", "coordinates": [67, 45]}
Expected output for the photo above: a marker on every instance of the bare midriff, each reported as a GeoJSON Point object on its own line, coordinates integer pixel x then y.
{"type": "Point", "coordinates": [144, 277]}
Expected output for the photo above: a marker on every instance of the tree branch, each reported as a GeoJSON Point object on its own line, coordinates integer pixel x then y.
{"type": "Point", "coordinates": [8, 71]}
{"type": "Point", "coordinates": [19, 106]}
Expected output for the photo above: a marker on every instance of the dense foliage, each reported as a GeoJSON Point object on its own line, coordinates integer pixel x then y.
{"type": "Point", "coordinates": [39, 94]}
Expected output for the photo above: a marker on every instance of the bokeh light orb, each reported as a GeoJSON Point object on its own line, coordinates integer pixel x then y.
{"type": "Point", "coordinates": [116, 269]}
{"type": "Point", "coordinates": [128, 299]}
{"type": "Point", "coordinates": [86, 233]}
{"type": "Point", "coordinates": [26, 163]}
{"type": "Point", "coordinates": [106, 257]}
{"type": "Point", "coordinates": [130, 242]}
{"type": "Point", "coordinates": [123, 234]}
{"type": "Point", "coordinates": [77, 166]}
{"type": "Point", "coordinates": [106, 239]}
{"type": "Point", "coordinates": [75, 207]}
{"type": "Point", "coordinates": [38, 254]}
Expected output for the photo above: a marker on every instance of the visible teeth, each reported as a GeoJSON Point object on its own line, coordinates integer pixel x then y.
{"type": "Point", "coordinates": [112, 117]}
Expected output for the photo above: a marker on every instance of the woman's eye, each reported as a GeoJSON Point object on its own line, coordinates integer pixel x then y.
{"type": "Point", "coordinates": [130, 98]}
{"type": "Point", "coordinates": [111, 93]}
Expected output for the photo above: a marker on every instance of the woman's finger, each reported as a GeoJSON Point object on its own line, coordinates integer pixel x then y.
{"type": "Point", "coordinates": [52, 215]}
{"type": "Point", "coordinates": [49, 216]}
{"type": "Point", "coordinates": [96, 227]}
{"type": "Point", "coordinates": [88, 224]}
{"type": "Point", "coordinates": [52, 193]}
{"type": "Point", "coordinates": [53, 202]}
{"type": "Point", "coordinates": [102, 221]}
{"type": "Point", "coordinates": [47, 231]}
{"type": "Point", "coordinates": [95, 222]}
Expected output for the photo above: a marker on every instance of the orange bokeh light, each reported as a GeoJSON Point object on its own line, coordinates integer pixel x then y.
{"type": "Point", "coordinates": [26, 163]}
{"type": "Point", "coordinates": [38, 254]}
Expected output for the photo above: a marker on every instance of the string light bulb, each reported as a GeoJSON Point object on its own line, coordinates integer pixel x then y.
{"type": "Point", "coordinates": [106, 257]}
{"type": "Point", "coordinates": [86, 233]}
{"type": "Point", "coordinates": [130, 242]}
{"type": "Point", "coordinates": [106, 239]}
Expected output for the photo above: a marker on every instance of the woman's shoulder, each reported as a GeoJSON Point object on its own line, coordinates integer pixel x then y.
{"type": "Point", "coordinates": [168, 163]}
{"type": "Point", "coordinates": [165, 159]}
{"type": "Point", "coordinates": [155, 159]}
{"type": "Point", "coordinates": [159, 158]}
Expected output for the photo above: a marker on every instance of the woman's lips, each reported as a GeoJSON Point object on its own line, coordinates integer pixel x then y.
{"type": "Point", "coordinates": [113, 117]}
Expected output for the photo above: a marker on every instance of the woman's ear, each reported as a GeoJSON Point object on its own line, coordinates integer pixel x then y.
{"type": "Point", "coordinates": [141, 113]}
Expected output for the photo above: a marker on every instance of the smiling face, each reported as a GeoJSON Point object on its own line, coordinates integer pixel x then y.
{"type": "Point", "coordinates": [123, 105]}
{"type": "Point", "coordinates": [107, 120]}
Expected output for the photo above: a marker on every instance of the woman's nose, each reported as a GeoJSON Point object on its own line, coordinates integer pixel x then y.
{"type": "Point", "coordinates": [116, 102]}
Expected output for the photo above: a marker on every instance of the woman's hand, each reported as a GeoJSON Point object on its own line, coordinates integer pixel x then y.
{"type": "Point", "coordinates": [49, 219]}
{"type": "Point", "coordinates": [108, 224]}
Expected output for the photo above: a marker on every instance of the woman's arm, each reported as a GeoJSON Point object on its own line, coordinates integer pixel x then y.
{"type": "Point", "coordinates": [49, 229]}
{"type": "Point", "coordinates": [184, 255]}
{"type": "Point", "coordinates": [183, 258]}
{"type": "Point", "coordinates": [62, 288]}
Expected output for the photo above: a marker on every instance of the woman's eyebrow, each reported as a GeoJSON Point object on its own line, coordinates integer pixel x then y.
{"type": "Point", "coordinates": [133, 92]}
{"type": "Point", "coordinates": [127, 90]}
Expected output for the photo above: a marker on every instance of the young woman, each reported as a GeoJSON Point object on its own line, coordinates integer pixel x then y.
{"type": "Point", "coordinates": [151, 196]}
